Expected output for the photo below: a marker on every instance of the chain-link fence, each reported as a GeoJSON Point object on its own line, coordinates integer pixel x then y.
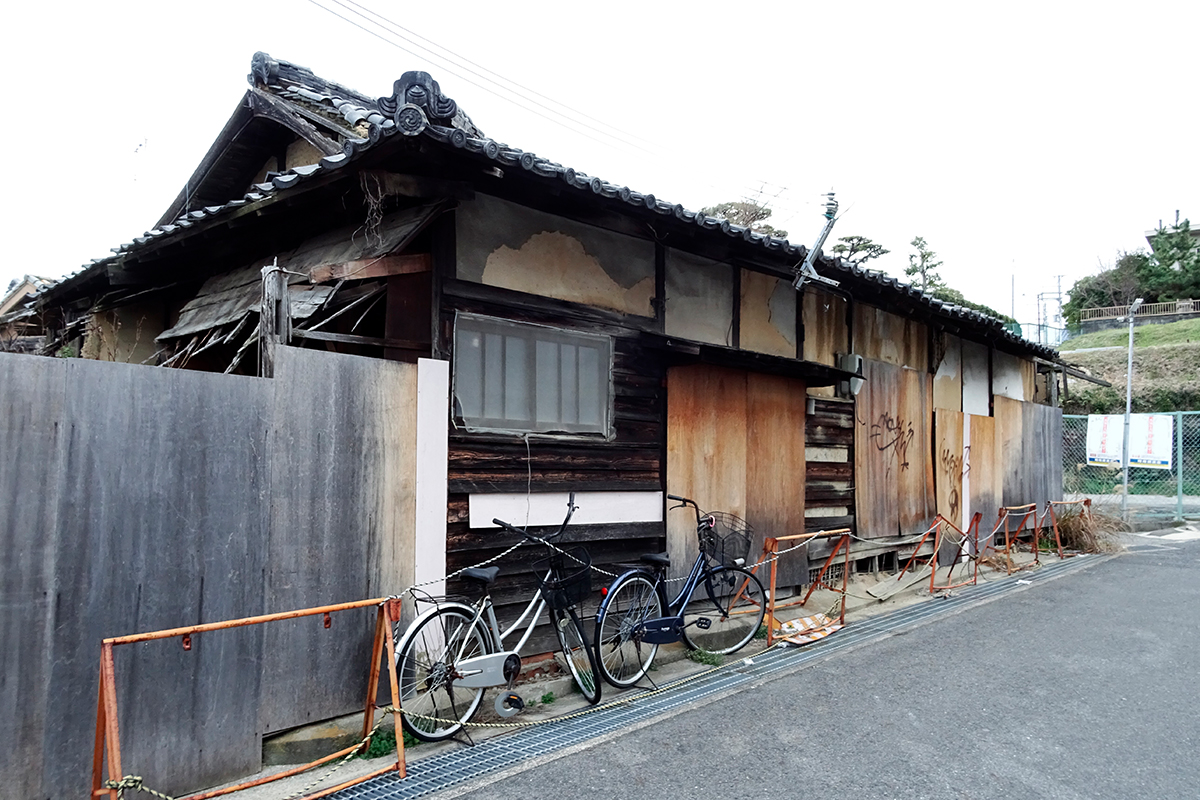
{"type": "Point", "coordinates": [1176, 490]}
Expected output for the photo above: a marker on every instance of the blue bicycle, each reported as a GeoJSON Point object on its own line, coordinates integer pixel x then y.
{"type": "Point", "coordinates": [719, 609]}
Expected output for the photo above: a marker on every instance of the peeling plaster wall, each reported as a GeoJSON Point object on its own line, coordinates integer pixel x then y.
{"type": "Point", "coordinates": [125, 334]}
{"type": "Point", "coordinates": [512, 247]}
{"type": "Point", "coordinates": [768, 315]}
{"type": "Point", "coordinates": [300, 154]}
{"type": "Point", "coordinates": [699, 299]}
{"type": "Point", "coordinates": [1008, 378]}
{"type": "Point", "coordinates": [976, 390]}
{"type": "Point", "coordinates": [948, 381]}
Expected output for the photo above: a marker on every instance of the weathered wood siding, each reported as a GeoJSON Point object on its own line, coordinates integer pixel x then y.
{"type": "Point", "coordinates": [489, 463]}
{"type": "Point", "coordinates": [826, 332]}
{"type": "Point", "coordinates": [143, 498]}
{"type": "Point", "coordinates": [884, 336]}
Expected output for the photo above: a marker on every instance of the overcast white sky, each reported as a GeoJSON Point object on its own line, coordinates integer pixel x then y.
{"type": "Point", "coordinates": [1026, 139]}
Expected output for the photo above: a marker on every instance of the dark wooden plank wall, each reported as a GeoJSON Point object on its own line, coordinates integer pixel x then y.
{"type": "Point", "coordinates": [497, 463]}
{"type": "Point", "coordinates": [829, 484]}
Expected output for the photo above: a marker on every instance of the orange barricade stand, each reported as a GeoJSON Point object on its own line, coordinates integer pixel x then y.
{"type": "Point", "coordinates": [771, 553]}
{"type": "Point", "coordinates": [937, 529]}
{"type": "Point", "coordinates": [1011, 537]}
{"type": "Point", "coordinates": [108, 739]}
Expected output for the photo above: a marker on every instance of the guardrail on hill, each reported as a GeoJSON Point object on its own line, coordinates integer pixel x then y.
{"type": "Point", "coordinates": [1147, 310]}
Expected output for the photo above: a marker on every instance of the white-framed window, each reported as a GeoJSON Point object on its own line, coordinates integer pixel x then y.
{"type": "Point", "coordinates": [516, 376]}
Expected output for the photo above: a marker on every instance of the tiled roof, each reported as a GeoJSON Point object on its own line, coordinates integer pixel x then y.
{"type": "Point", "coordinates": [417, 108]}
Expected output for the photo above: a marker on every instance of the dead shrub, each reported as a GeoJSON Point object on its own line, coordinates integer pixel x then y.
{"type": "Point", "coordinates": [1090, 532]}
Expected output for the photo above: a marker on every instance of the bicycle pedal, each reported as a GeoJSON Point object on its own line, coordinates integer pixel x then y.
{"type": "Point", "coordinates": [703, 623]}
{"type": "Point", "coordinates": [508, 705]}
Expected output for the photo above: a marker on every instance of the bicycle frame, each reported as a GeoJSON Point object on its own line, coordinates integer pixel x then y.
{"type": "Point", "coordinates": [487, 670]}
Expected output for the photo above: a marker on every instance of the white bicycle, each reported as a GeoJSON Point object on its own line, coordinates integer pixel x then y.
{"type": "Point", "coordinates": [455, 650]}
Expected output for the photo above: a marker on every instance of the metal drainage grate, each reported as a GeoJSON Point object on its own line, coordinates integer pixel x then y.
{"type": "Point", "coordinates": [435, 773]}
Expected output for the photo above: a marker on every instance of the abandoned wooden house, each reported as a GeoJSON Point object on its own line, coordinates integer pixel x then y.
{"type": "Point", "coordinates": [599, 340]}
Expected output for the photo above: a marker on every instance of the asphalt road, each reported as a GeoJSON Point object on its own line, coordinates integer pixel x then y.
{"type": "Point", "coordinates": [1082, 687]}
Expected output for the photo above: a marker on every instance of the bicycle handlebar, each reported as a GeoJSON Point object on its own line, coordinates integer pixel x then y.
{"type": "Point", "coordinates": [683, 503]}
{"type": "Point", "coordinates": [571, 509]}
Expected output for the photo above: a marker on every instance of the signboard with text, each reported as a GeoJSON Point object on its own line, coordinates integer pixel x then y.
{"type": "Point", "coordinates": [1151, 437]}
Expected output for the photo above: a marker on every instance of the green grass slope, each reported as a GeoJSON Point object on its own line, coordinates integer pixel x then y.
{"type": "Point", "coordinates": [1166, 369]}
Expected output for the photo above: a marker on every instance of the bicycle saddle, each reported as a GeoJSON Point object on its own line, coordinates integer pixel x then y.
{"type": "Point", "coordinates": [485, 575]}
{"type": "Point", "coordinates": [659, 559]}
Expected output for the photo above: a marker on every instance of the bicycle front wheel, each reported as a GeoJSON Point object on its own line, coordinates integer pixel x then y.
{"type": "Point", "coordinates": [732, 602]}
{"type": "Point", "coordinates": [432, 706]}
{"type": "Point", "coordinates": [621, 655]}
{"type": "Point", "coordinates": [577, 653]}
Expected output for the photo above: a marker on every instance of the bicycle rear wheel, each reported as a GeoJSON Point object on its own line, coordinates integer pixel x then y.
{"type": "Point", "coordinates": [577, 653]}
{"type": "Point", "coordinates": [432, 707]}
{"type": "Point", "coordinates": [621, 655]}
{"type": "Point", "coordinates": [732, 601]}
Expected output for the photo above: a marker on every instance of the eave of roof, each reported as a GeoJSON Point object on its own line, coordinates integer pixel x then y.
{"type": "Point", "coordinates": [411, 120]}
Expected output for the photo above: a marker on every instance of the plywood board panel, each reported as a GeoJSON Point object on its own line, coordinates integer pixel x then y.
{"type": "Point", "coordinates": [916, 484]}
{"type": "Point", "coordinates": [881, 444]}
{"type": "Point", "coordinates": [351, 494]}
{"type": "Point", "coordinates": [947, 381]}
{"type": "Point", "coordinates": [950, 466]}
{"type": "Point", "coordinates": [706, 450]}
{"type": "Point", "coordinates": [984, 472]}
{"type": "Point", "coordinates": [775, 466]}
{"type": "Point", "coordinates": [1016, 488]}
{"type": "Point", "coordinates": [976, 387]}
{"type": "Point", "coordinates": [825, 330]}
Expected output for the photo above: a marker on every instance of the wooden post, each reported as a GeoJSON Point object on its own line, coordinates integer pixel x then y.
{"type": "Point", "coordinates": [274, 317]}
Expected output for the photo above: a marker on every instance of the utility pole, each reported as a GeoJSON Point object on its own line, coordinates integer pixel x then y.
{"type": "Point", "coordinates": [1128, 407]}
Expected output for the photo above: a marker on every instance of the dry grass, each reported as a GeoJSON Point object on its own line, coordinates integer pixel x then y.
{"type": "Point", "coordinates": [1090, 532]}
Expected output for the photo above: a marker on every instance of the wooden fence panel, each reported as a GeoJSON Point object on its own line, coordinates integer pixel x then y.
{"type": "Point", "coordinates": [140, 498]}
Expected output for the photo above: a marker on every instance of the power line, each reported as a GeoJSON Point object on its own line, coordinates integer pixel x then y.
{"type": "Point", "coordinates": [618, 144]}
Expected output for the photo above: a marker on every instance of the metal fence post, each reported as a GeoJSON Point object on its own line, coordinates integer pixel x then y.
{"type": "Point", "coordinates": [1179, 466]}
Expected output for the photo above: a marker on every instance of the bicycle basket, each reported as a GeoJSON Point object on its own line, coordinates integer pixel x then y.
{"type": "Point", "coordinates": [725, 538]}
{"type": "Point", "coordinates": [565, 580]}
